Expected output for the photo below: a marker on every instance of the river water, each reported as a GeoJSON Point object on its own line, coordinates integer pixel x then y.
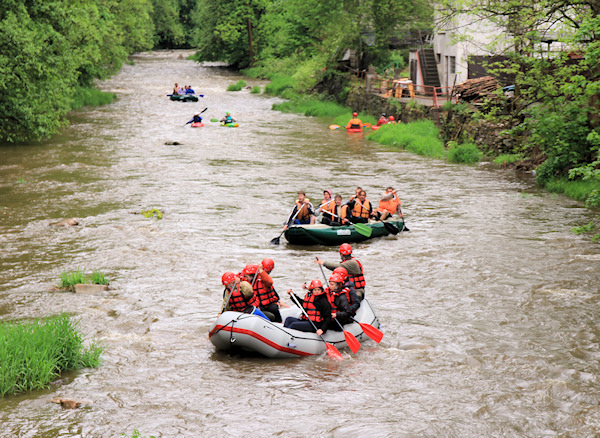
{"type": "Point", "coordinates": [489, 304]}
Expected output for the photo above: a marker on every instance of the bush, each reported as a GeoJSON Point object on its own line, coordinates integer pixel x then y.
{"type": "Point", "coordinates": [279, 84]}
{"type": "Point", "coordinates": [34, 353]}
{"type": "Point", "coordinates": [237, 86]}
{"type": "Point", "coordinates": [255, 90]}
{"type": "Point", "coordinates": [463, 153]}
{"type": "Point", "coordinates": [420, 137]}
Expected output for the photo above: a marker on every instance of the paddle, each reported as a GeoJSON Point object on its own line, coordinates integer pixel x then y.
{"type": "Point", "coordinates": [370, 331]}
{"type": "Point", "coordinates": [350, 338]}
{"type": "Point", "coordinates": [275, 241]}
{"type": "Point", "coordinates": [360, 228]}
{"type": "Point", "coordinates": [334, 127]}
{"type": "Point", "coordinates": [331, 350]}
{"type": "Point", "coordinates": [199, 113]}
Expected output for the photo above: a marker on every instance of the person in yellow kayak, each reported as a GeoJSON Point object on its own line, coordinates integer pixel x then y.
{"type": "Point", "coordinates": [227, 118]}
{"type": "Point", "coordinates": [355, 122]}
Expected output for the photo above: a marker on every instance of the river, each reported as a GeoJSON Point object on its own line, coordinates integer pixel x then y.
{"type": "Point", "coordinates": [489, 304]}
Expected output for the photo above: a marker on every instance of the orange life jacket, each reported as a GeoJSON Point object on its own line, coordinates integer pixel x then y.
{"type": "Point", "coordinates": [390, 205]}
{"type": "Point", "coordinates": [304, 211]}
{"type": "Point", "coordinates": [359, 210]}
{"type": "Point", "coordinates": [358, 280]}
{"type": "Point", "coordinates": [354, 124]}
{"type": "Point", "coordinates": [265, 297]}
{"type": "Point", "coordinates": [239, 302]}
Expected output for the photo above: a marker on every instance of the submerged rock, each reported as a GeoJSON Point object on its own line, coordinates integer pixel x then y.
{"type": "Point", "coordinates": [69, 403]}
{"type": "Point", "coordinates": [172, 143]}
{"type": "Point", "coordinates": [65, 222]}
{"type": "Point", "coordinates": [89, 289]}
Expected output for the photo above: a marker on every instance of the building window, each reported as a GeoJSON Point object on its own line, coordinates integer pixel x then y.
{"type": "Point", "coordinates": [438, 57]}
{"type": "Point", "coordinates": [452, 64]}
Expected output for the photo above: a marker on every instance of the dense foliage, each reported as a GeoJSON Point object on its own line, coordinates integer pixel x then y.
{"type": "Point", "coordinates": [555, 112]}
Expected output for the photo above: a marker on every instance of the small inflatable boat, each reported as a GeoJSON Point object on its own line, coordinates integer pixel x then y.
{"type": "Point", "coordinates": [197, 125]}
{"type": "Point", "coordinates": [243, 331]}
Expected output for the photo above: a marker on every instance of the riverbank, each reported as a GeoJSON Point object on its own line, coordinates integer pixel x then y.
{"type": "Point", "coordinates": [458, 133]}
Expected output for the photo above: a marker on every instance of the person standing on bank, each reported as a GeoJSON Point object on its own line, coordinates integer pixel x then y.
{"type": "Point", "coordinates": [353, 267]}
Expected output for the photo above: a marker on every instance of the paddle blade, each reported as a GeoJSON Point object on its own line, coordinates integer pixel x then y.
{"type": "Point", "coordinates": [275, 241]}
{"type": "Point", "coordinates": [393, 229]}
{"type": "Point", "coordinates": [372, 332]}
{"type": "Point", "coordinates": [333, 352]}
{"type": "Point", "coordinates": [214, 120]}
{"type": "Point", "coordinates": [363, 229]}
{"type": "Point", "coordinates": [333, 127]}
{"type": "Point", "coordinates": [366, 125]}
{"type": "Point", "coordinates": [352, 342]}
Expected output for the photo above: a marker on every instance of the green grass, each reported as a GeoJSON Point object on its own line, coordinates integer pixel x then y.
{"type": "Point", "coordinates": [344, 117]}
{"type": "Point", "coordinates": [90, 97]}
{"type": "Point", "coordinates": [420, 137]}
{"type": "Point", "coordinates": [137, 434]}
{"type": "Point", "coordinates": [463, 153]}
{"type": "Point", "coordinates": [237, 86]}
{"type": "Point", "coordinates": [575, 189]}
{"type": "Point", "coordinates": [508, 158]}
{"type": "Point", "coordinates": [69, 279]}
{"type": "Point", "coordinates": [34, 353]}
{"type": "Point", "coordinates": [279, 84]}
{"type": "Point", "coordinates": [255, 90]}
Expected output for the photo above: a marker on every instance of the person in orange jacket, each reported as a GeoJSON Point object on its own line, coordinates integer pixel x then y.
{"type": "Point", "coordinates": [355, 122]}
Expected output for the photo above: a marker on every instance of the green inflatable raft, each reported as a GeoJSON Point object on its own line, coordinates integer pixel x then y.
{"type": "Point", "coordinates": [183, 97]}
{"type": "Point", "coordinates": [321, 234]}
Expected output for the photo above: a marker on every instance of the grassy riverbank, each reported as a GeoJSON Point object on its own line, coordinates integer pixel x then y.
{"type": "Point", "coordinates": [71, 278]}
{"type": "Point", "coordinates": [34, 353]}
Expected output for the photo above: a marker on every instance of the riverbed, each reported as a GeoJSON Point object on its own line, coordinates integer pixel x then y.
{"type": "Point", "coordinates": [488, 305]}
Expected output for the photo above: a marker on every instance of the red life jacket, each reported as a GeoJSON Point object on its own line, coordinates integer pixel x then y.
{"type": "Point", "coordinates": [332, 296]}
{"type": "Point", "coordinates": [358, 280]}
{"type": "Point", "coordinates": [309, 306]}
{"type": "Point", "coordinates": [238, 302]}
{"type": "Point", "coordinates": [265, 297]}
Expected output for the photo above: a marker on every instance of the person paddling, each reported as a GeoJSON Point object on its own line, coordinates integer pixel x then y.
{"type": "Point", "coordinates": [326, 205]}
{"type": "Point", "coordinates": [353, 267]}
{"type": "Point", "coordinates": [227, 118]}
{"type": "Point", "coordinates": [316, 305]}
{"type": "Point", "coordinates": [355, 122]}
{"type": "Point", "coordinates": [360, 208]}
{"type": "Point", "coordinates": [338, 215]}
{"type": "Point", "coordinates": [344, 301]}
{"type": "Point", "coordinates": [303, 212]}
{"type": "Point", "coordinates": [239, 295]}
{"type": "Point", "coordinates": [196, 119]}
{"type": "Point", "coordinates": [389, 204]}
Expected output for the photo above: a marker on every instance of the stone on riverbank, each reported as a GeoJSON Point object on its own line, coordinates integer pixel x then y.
{"type": "Point", "coordinates": [89, 289]}
{"type": "Point", "coordinates": [65, 222]}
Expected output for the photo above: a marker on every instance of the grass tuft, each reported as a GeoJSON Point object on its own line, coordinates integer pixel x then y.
{"type": "Point", "coordinates": [237, 86]}
{"type": "Point", "coordinates": [69, 279]}
{"type": "Point", "coordinates": [255, 90]}
{"type": "Point", "coordinates": [34, 353]}
{"type": "Point", "coordinates": [508, 158]}
{"type": "Point", "coordinates": [90, 97]}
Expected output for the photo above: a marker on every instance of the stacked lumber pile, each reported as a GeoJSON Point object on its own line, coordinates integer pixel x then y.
{"type": "Point", "coordinates": [476, 90]}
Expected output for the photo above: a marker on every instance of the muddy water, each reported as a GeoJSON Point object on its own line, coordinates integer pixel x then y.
{"type": "Point", "coordinates": [489, 305]}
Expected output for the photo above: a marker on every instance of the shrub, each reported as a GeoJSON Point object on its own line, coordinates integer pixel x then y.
{"type": "Point", "coordinates": [279, 84]}
{"type": "Point", "coordinates": [255, 90]}
{"type": "Point", "coordinates": [90, 96]}
{"type": "Point", "coordinates": [237, 86]}
{"type": "Point", "coordinates": [463, 153]}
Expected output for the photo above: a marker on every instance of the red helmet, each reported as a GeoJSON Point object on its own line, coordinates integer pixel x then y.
{"type": "Point", "coordinates": [355, 114]}
{"type": "Point", "coordinates": [268, 265]}
{"type": "Point", "coordinates": [345, 249]}
{"type": "Point", "coordinates": [315, 283]}
{"type": "Point", "coordinates": [342, 272]}
{"type": "Point", "coordinates": [227, 278]}
{"type": "Point", "coordinates": [392, 118]}
{"type": "Point", "coordinates": [250, 270]}
{"type": "Point", "coordinates": [337, 278]}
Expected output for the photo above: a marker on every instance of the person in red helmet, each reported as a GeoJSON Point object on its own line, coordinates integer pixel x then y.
{"type": "Point", "coordinates": [268, 298]}
{"type": "Point", "coordinates": [318, 308]}
{"type": "Point", "coordinates": [355, 122]}
{"type": "Point", "coordinates": [344, 274]}
{"type": "Point", "coordinates": [344, 301]}
{"type": "Point", "coordinates": [239, 296]}
{"type": "Point", "coordinates": [354, 268]}
{"type": "Point", "coordinates": [392, 120]}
